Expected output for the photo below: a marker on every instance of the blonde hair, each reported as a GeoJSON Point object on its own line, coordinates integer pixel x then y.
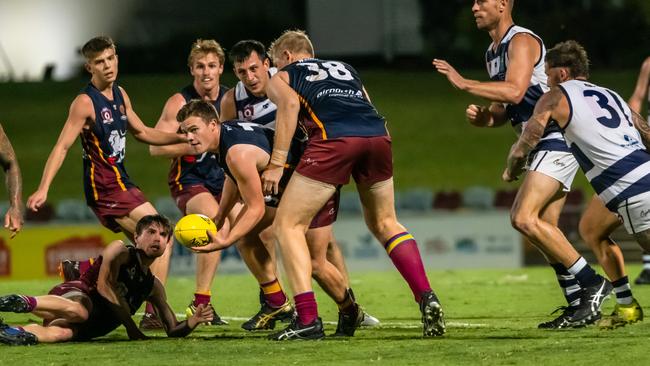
{"type": "Point", "coordinates": [202, 47]}
{"type": "Point", "coordinates": [295, 41]}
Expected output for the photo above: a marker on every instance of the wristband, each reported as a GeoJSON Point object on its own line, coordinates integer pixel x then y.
{"type": "Point", "coordinates": [279, 157]}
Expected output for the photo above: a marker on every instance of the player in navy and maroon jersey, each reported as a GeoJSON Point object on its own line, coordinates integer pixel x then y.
{"type": "Point", "coordinates": [346, 137]}
{"type": "Point", "coordinates": [244, 150]}
{"type": "Point", "coordinates": [195, 181]}
{"type": "Point", "coordinates": [101, 115]}
{"type": "Point", "coordinates": [105, 297]}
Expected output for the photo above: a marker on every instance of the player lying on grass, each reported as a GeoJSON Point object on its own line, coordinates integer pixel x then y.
{"type": "Point", "coordinates": [105, 297]}
{"type": "Point", "coordinates": [244, 150]}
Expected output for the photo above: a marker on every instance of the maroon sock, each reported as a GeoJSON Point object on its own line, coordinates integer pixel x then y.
{"type": "Point", "coordinates": [31, 303]}
{"type": "Point", "coordinates": [306, 307]}
{"type": "Point", "coordinates": [200, 298]}
{"type": "Point", "coordinates": [273, 294]}
{"type": "Point", "coordinates": [403, 251]}
{"type": "Point", "coordinates": [149, 309]}
{"type": "Point", "coordinates": [84, 265]}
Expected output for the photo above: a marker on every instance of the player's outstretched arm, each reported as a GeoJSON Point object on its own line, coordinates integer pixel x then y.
{"type": "Point", "coordinates": [168, 123]}
{"type": "Point", "coordinates": [244, 162]}
{"type": "Point", "coordinates": [286, 119]}
{"type": "Point", "coordinates": [14, 182]}
{"type": "Point", "coordinates": [81, 110]}
{"type": "Point", "coordinates": [524, 51]}
{"type": "Point", "coordinates": [114, 256]}
{"type": "Point", "coordinates": [145, 133]}
{"type": "Point", "coordinates": [544, 109]}
{"type": "Point", "coordinates": [228, 110]}
{"type": "Point", "coordinates": [641, 88]}
{"type": "Point", "coordinates": [173, 327]}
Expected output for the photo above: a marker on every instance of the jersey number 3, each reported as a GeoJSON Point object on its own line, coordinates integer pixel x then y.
{"type": "Point", "coordinates": [334, 69]}
{"type": "Point", "coordinates": [603, 104]}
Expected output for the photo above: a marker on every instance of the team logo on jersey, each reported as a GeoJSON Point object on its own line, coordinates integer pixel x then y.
{"type": "Point", "coordinates": [107, 115]}
{"type": "Point", "coordinates": [249, 110]}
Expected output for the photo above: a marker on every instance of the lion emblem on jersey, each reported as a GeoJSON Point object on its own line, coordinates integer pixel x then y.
{"type": "Point", "coordinates": [117, 140]}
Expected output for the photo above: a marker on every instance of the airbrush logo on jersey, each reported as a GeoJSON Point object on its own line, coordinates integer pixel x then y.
{"type": "Point", "coordinates": [338, 92]}
{"type": "Point", "coordinates": [631, 141]}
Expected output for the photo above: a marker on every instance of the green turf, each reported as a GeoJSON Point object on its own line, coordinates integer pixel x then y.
{"type": "Point", "coordinates": [434, 146]}
{"type": "Point", "coordinates": [491, 314]}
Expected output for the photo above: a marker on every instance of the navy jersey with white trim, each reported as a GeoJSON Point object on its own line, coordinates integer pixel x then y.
{"type": "Point", "coordinates": [496, 60]}
{"type": "Point", "coordinates": [332, 100]}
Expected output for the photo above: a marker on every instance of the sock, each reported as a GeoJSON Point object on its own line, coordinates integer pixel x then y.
{"type": "Point", "coordinates": [148, 309]}
{"type": "Point", "coordinates": [623, 291]}
{"type": "Point", "coordinates": [273, 294]}
{"type": "Point", "coordinates": [568, 283]}
{"type": "Point", "coordinates": [306, 307]}
{"type": "Point", "coordinates": [646, 260]}
{"type": "Point", "coordinates": [585, 275]}
{"type": "Point", "coordinates": [347, 305]}
{"type": "Point", "coordinates": [403, 251]}
{"type": "Point", "coordinates": [85, 265]}
{"type": "Point", "coordinates": [201, 298]}
{"type": "Point", "coordinates": [31, 303]}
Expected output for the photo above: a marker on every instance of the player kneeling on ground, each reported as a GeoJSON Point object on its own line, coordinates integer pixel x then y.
{"type": "Point", "coordinates": [105, 297]}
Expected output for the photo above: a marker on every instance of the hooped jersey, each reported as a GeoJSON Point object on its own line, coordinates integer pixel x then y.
{"type": "Point", "coordinates": [496, 60]}
{"type": "Point", "coordinates": [252, 108]}
{"type": "Point", "coordinates": [333, 103]}
{"type": "Point", "coordinates": [197, 169]}
{"type": "Point", "coordinates": [608, 147]}
{"type": "Point", "coordinates": [104, 145]}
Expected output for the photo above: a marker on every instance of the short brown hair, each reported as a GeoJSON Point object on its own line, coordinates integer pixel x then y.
{"type": "Point", "coordinates": [97, 45]}
{"type": "Point", "coordinates": [198, 108]}
{"type": "Point", "coordinates": [202, 47]}
{"type": "Point", "coordinates": [569, 54]}
{"type": "Point", "coordinates": [295, 41]}
{"type": "Point", "coordinates": [149, 220]}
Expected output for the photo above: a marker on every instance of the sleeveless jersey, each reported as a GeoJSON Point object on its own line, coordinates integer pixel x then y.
{"type": "Point", "coordinates": [104, 145]}
{"type": "Point", "coordinates": [332, 100]}
{"type": "Point", "coordinates": [496, 60]}
{"type": "Point", "coordinates": [603, 139]}
{"type": "Point", "coordinates": [197, 169]}
{"type": "Point", "coordinates": [251, 108]}
{"type": "Point", "coordinates": [132, 282]}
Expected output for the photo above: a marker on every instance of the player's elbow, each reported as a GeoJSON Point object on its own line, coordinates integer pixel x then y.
{"type": "Point", "coordinates": [515, 95]}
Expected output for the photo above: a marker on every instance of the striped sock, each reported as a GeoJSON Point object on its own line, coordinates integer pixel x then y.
{"type": "Point", "coordinates": [646, 260]}
{"type": "Point", "coordinates": [568, 283]}
{"type": "Point", "coordinates": [306, 307]}
{"type": "Point", "coordinates": [623, 291]}
{"type": "Point", "coordinates": [585, 275]}
{"type": "Point", "coordinates": [202, 298]}
{"type": "Point", "coordinates": [273, 294]}
{"type": "Point", "coordinates": [403, 251]}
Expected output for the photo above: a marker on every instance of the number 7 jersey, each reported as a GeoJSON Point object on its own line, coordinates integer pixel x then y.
{"type": "Point", "coordinates": [609, 149]}
{"type": "Point", "coordinates": [332, 100]}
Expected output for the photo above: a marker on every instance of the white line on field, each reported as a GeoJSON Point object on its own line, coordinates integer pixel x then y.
{"type": "Point", "coordinates": [383, 324]}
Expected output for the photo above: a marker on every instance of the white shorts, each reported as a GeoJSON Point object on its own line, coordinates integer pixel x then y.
{"type": "Point", "coordinates": [635, 213]}
{"type": "Point", "coordinates": [559, 165]}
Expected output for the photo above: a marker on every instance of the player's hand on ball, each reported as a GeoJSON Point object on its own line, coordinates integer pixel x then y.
{"type": "Point", "coordinates": [203, 314]}
{"type": "Point", "coordinates": [478, 115]}
{"type": "Point", "coordinates": [216, 242]}
{"type": "Point", "coordinates": [36, 200]}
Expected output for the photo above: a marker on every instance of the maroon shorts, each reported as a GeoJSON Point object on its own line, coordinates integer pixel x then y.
{"type": "Point", "coordinates": [117, 204]}
{"type": "Point", "coordinates": [327, 215]}
{"type": "Point", "coordinates": [181, 197]}
{"type": "Point", "coordinates": [368, 159]}
{"type": "Point", "coordinates": [68, 288]}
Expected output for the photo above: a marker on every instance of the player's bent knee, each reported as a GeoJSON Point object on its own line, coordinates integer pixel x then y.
{"type": "Point", "coordinates": [523, 223]}
{"type": "Point", "coordinates": [76, 313]}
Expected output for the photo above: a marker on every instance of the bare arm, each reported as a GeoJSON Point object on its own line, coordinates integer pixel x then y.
{"type": "Point", "coordinates": [114, 256]}
{"type": "Point", "coordinates": [523, 52]}
{"type": "Point", "coordinates": [286, 119]}
{"type": "Point", "coordinates": [641, 89]}
{"type": "Point", "coordinates": [172, 326]}
{"type": "Point", "coordinates": [168, 123]}
{"type": "Point", "coordinates": [13, 180]}
{"type": "Point", "coordinates": [544, 109]}
{"type": "Point", "coordinates": [244, 162]}
{"type": "Point", "coordinates": [81, 110]}
{"type": "Point", "coordinates": [145, 133]}
{"type": "Point", "coordinates": [228, 110]}
{"type": "Point", "coordinates": [229, 197]}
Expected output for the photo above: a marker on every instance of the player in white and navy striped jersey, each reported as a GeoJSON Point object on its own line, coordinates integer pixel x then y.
{"type": "Point", "coordinates": [607, 138]}
{"type": "Point", "coordinates": [515, 63]}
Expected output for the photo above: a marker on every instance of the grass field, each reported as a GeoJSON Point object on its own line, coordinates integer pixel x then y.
{"type": "Point", "coordinates": [491, 315]}
{"type": "Point", "coordinates": [434, 146]}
